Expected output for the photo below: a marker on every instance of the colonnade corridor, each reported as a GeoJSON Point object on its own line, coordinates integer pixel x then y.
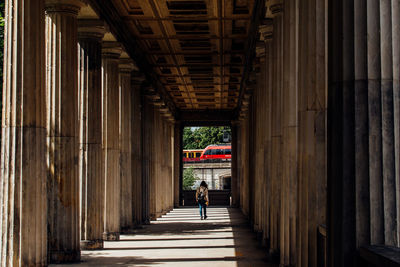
{"type": "Point", "coordinates": [180, 238]}
{"type": "Point", "coordinates": [96, 95]}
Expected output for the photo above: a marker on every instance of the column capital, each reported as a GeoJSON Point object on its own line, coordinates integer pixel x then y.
{"type": "Point", "coordinates": [111, 50]}
{"type": "Point", "coordinates": [276, 7]}
{"type": "Point", "coordinates": [137, 77]}
{"type": "Point", "coordinates": [91, 29]}
{"type": "Point", "coordinates": [260, 50]}
{"type": "Point", "coordinates": [266, 30]}
{"type": "Point", "coordinates": [126, 65]}
{"type": "Point", "coordinates": [64, 6]}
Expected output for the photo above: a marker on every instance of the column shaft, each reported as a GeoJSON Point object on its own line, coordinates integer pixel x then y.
{"type": "Point", "coordinates": [23, 209]}
{"type": "Point", "coordinates": [111, 152]}
{"type": "Point", "coordinates": [396, 104]}
{"type": "Point", "coordinates": [388, 143]}
{"type": "Point", "coordinates": [137, 152]}
{"type": "Point", "coordinates": [126, 148]}
{"type": "Point", "coordinates": [375, 122]}
{"type": "Point", "coordinates": [177, 162]}
{"type": "Point", "coordinates": [90, 159]}
{"type": "Point", "coordinates": [62, 130]}
{"type": "Point", "coordinates": [361, 124]}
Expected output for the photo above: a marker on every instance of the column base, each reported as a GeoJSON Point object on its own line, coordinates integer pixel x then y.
{"type": "Point", "coordinates": [65, 256]}
{"type": "Point", "coordinates": [111, 236]}
{"type": "Point", "coordinates": [92, 244]}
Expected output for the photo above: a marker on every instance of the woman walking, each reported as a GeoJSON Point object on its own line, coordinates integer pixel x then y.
{"type": "Point", "coordinates": [202, 199]}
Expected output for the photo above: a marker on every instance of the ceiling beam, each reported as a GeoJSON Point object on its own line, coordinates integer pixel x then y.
{"type": "Point", "coordinates": [206, 116]}
{"type": "Point", "coordinates": [107, 12]}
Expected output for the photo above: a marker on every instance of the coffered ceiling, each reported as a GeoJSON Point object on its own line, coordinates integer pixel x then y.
{"type": "Point", "coordinates": [196, 47]}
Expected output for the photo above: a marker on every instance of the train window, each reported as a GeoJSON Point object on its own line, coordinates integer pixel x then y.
{"type": "Point", "coordinates": [198, 155]}
{"type": "Point", "coordinates": [213, 152]}
{"type": "Point", "coordinates": [191, 155]}
{"type": "Point", "coordinates": [228, 151]}
{"type": "Point", "coordinates": [220, 151]}
{"type": "Point", "coordinates": [207, 152]}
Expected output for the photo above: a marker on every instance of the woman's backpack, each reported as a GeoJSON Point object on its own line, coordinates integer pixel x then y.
{"type": "Point", "coordinates": [201, 198]}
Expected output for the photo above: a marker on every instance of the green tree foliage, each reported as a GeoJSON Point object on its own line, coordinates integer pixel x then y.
{"type": "Point", "coordinates": [200, 138]}
{"type": "Point", "coordinates": [188, 179]}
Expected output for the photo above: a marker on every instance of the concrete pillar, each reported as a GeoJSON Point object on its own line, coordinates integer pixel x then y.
{"type": "Point", "coordinates": [110, 140]}
{"type": "Point", "coordinates": [125, 68]}
{"type": "Point", "coordinates": [137, 80]}
{"type": "Point", "coordinates": [90, 33]}
{"type": "Point", "coordinates": [62, 129]}
{"type": "Point", "coordinates": [23, 209]}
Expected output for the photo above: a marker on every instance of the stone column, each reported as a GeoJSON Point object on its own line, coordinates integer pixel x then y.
{"type": "Point", "coordinates": [361, 125]}
{"type": "Point", "coordinates": [62, 129]}
{"type": "Point", "coordinates": [235, 168]}
{"type": "Point", "coordinates": [110, 140]}
{"type": "Point", "coordinates": [290, 128]}
{"type": "Point", "coordinates": [341, 154]}
{"type": "Point", "coordinates": [396, 104]}
{"type": "Point", "coordinates": [137, 80]}
{"type": "Point", "coordinates": [266, 35]}
{"type": "Point", "coordinates": [388, 142]}
{"type": "Point", "coordinates": [312, 121]}
{"type": "Point", "coordinates": [23, 196]}
{"type": "Point", "coordinates": [90, 33]}
{"type": "Point", "coordinates": [276, 8]}
{"type": "Point", "coordinates": [375, 121]}
{"type": "Point", "coordinates": [177, 162]}
{"type": "Point", "coordinates": [125, 68]}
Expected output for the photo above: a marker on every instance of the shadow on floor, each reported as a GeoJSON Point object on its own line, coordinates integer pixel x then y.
{"type": "Point", "coordinates": [180, 238]}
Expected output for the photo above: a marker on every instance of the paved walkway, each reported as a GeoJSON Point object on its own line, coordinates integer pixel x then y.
{"type": "Point", "coordinates": [180, 238]}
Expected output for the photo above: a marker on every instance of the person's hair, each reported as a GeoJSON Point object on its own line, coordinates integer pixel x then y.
{"type": "Point", "coordinates": [204, 184]}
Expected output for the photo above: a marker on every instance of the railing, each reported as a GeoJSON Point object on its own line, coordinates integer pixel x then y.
{"type": "Point", "coordinates": [216, 197]}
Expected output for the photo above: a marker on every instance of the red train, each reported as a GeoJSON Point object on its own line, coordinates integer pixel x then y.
{"type": "Point", "coordinates": [216, 153]}
{"type": "Point", "coordinates": [212, 153]}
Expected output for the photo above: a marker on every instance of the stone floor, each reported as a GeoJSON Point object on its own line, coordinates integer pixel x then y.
{"type": "Point", "coordinates": [180, 238]}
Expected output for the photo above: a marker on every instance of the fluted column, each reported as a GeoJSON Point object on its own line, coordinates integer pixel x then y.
{"type": "Point", "coordinates": [289, 200]}
{"type": "Point", "coordinates": [91, 173]}
{"type": "Point", "coordinates": [125, 69]}
{"type": "Point", "coordinates": [62, 123]}
{"type": "Point", "coordinates": [137, 80]}
{"type": "Point", "coordinates": [388, 142]}
{"type": "Point", "coordinates": [177, 161]}
{"type": "Point", "coordinates": [23, 145]}
{"type": "Point", "coordinates": [266, 35]}
{"type": "Point", "coordinates": [110, 142]}
{"type": "Point", "coordinates": [312, 108]}
{"type": "Point", "coordinates": [276, 8]}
